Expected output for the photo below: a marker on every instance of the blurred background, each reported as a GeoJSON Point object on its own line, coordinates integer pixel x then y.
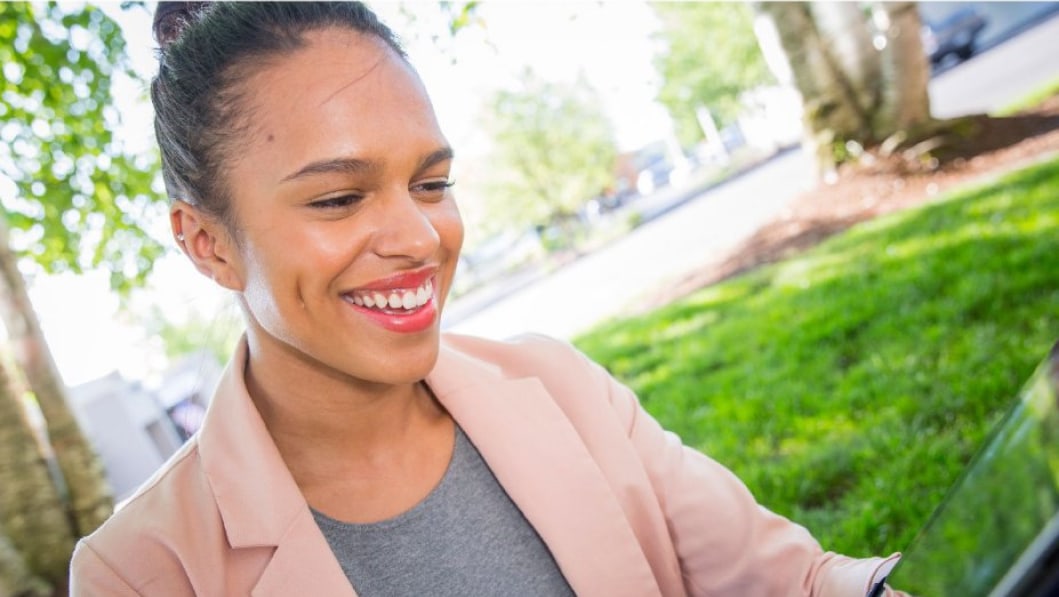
{"type": "Point", "coordinates": [614, 157]}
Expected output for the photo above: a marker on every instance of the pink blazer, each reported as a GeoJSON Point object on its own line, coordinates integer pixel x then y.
{"type": "Point", "coordinates": [623, 506]}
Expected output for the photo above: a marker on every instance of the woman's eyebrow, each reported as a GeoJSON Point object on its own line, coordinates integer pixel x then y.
{"type": "Point", "coordinates": [436, 157]}
{"type": "Point", "coordinates": [337, 165]}
{"type": "Point", "coordinates": [360, 166]}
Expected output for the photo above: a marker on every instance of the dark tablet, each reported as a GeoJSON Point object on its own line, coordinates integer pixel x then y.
{"type": "Point", "coordinates": [997, 531]}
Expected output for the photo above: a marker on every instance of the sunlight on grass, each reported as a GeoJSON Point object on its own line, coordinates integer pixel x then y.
{"type": "Point", "coordinates": [849, 385]}
{"type": "Point", "coordinates": [803, 272]}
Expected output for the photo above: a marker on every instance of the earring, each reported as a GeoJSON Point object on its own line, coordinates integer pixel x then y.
{"type": "Point", "coordinates": [180, 237]}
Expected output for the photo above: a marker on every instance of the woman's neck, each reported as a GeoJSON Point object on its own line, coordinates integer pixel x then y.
{"type": "Point", "coordinates": [359, 452]}
{"type": "Point", "coordinates": [308, 407]}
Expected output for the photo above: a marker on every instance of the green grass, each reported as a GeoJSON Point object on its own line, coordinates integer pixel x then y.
{"type": "Point", "coordinates": [848, 386]}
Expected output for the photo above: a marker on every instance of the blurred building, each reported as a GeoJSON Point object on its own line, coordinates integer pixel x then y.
{"type": "Point", "coordinates": [134, 429]}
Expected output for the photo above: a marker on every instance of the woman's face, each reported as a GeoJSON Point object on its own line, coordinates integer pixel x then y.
{"type": "Point", "coordinates": [347, 232]}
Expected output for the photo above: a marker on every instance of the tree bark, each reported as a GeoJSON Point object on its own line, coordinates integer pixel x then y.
{"type": "Point", "coordinates": [855, 87]}
{"type": "Point", "coordinates": [831, 110]}
{"type": "Point", "coordinates": [32, 515]}
{"type": "Point", "coordinates": [844, 33]}
{"type": "Point", "coordinates": [90, 500]}
{"type": "Point", "coordinates": [905, 71]}
{"type": "Point", "coordinates": [15, 578]}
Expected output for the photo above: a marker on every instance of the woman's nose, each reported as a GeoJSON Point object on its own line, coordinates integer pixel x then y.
{"type": "Point", "coordinates": [405, 229]}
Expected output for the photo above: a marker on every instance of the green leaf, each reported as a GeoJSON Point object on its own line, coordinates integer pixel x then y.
{"type": "Point", "coordinates": [81, 129]}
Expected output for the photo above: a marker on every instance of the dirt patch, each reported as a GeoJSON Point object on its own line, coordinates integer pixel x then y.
{"type": "Point", "coordinates": [883, 182]}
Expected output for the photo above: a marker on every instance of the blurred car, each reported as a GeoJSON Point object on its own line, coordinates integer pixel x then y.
{"type": "Point", "coordinates": [654, 174]}
{"type": "Point", "coordinates": [955, 35]}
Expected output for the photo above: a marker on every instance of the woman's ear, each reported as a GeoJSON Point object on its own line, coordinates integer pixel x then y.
{"type": "Point", "coordinates": [208, 243]}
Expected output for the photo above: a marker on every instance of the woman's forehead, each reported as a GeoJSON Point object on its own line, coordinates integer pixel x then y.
{"type": "Point", "coordinates": [343, 94]}
{"type": "Point", "coordinates": [331, 61]}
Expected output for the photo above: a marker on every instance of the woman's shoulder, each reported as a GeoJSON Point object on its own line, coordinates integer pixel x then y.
{"type": "Point", "coordinates": [168, 513]}
{"type": "Point", "coordinates": [512, 354]}
{"type": "Point", "coordinates": [529, 355]}
{"type": "Point", "coordinates": [576, 383]}
{"type": "Point", "coordinates": [173, 483]}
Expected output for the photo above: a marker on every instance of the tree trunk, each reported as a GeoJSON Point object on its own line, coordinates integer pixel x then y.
{"type": "Point", "coordinates": [32, 515]}
{"type": "Point", "coordinates": [843, 30]}
{"type": "Point", "coordinates": [832, 112]}
{"type": "Point", "coordinates": [905, 71]}
{"type": "Point", "coordinates": [90, 501]}
{"type": "Point", "coordinates": [15, 578]}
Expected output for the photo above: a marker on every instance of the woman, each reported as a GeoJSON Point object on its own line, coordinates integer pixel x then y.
{"type": "Point", "coordinates": [349, 446]}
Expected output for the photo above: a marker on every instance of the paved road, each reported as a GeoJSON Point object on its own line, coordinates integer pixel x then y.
{"type": "Point", "coordinates": [701, 231]}
{"type": "Point", "coordinates": [1004, 73]}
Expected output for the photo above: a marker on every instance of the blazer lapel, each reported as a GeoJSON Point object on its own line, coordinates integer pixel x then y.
{"type": "Point", "coordinates": [303, 564]}
{"type": "Point", "coordinates": [259, 502]}
{"type": "Point", "coordinates": [541, 462]}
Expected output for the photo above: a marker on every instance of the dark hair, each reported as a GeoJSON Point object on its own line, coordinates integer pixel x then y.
{"type": "Point", "coordinates": [206, 50]}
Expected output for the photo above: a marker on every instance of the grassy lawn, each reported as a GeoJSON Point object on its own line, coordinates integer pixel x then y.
{"type": "Point", "coordinates": [849, 386]}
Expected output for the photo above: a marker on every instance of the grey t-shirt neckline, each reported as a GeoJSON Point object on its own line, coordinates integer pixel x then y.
{"type": "Point", "coordinates": [466, 538]}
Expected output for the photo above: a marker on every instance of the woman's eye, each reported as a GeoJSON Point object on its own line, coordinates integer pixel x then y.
{"type": "Point", "coordinates": [335, 202]}
{"type": "Point", "coordinates": [434, 189]}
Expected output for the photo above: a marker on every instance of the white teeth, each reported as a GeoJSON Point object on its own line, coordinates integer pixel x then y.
{"type": "Point", "coordinates": [405, 298]}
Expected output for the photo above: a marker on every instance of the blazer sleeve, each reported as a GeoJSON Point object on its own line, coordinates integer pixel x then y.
{"type": "Point", "coordinates": [91, 576]}
{"type": "Point", "coordinates": [728, 544]}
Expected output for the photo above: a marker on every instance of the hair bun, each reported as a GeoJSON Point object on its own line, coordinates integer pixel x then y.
{"type": "Point", "coordinates": [170, 19]}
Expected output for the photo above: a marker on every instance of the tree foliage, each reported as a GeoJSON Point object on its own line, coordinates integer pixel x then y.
{"type": "Point", "coordinates": [708, 56]}
{"type": "Point", "coordinates": [554, 150]}
{"type": "Point", "coordinates": [74, 198]}
{"type": "Point", "coordinates": [441, 23]}
{"type": "Point", "coordinates": [216, 333]}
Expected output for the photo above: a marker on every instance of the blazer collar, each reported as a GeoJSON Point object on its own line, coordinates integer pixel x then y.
{"type": "Point", "coordinates": [259, 503]}
{"type": "Point", "coordinates": [545, 467]}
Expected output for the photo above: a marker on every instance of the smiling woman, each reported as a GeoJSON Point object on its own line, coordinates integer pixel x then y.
{"type": "Point", "coordinates": [350, 446]}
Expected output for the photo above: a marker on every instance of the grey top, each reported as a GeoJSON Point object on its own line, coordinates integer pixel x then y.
{"type": "Point", "coordinates": [466, 538]}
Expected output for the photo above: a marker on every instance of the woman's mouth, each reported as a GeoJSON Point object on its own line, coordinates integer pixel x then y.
{"type": "Point", "coordinates": [405, 310]}
{"type": "Point", "coordinates": [396, 300]}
